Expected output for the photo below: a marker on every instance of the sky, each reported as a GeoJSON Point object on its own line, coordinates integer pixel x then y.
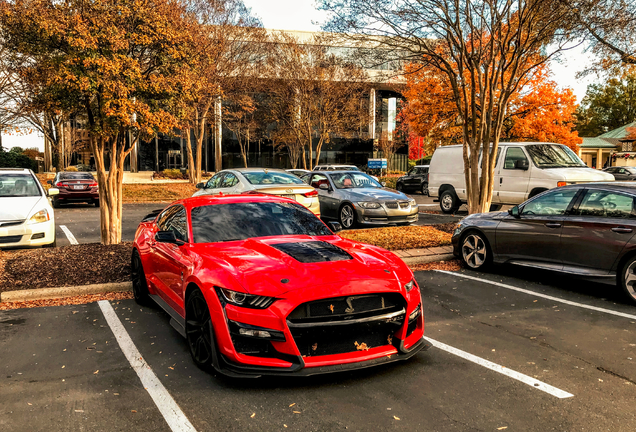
{"type": "Point", "coordinates": [302, 15]}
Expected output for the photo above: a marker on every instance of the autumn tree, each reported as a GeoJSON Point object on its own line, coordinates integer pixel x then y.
{"type": "Point", "coordinates": [239, 115]}
{"type": "Point", "coordinates": [115, 64]}
{"type": "Point", "coordinates": [321, 91]}
{"type": "Point", "coordinates": [484, 48]}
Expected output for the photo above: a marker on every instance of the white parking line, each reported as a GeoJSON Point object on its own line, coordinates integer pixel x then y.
{"type": "Point", "coordinates": [175, 418]}
{"type": "Point", "coordinates": [539, 385]}
{"type": "Point", "coordinates": [536, 294]}
{"type": "Point", "coordinates": [69, 235]}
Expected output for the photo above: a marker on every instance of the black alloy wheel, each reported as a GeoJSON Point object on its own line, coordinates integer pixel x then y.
{"type": "Point", "coordinates": [448, 202]}
{"type": "Point", "coordinates": [424, 189]}
{"type": "Point", "coordinates": [475, 251]}
{"type": "Point", "coordinates": [140, 285]}
{"type": "Point", "coordinates": [347, 216]}
{"type": "Point", "coordinates": [199, 330]}
{"type": "Point", "coordinates": [628, 279]}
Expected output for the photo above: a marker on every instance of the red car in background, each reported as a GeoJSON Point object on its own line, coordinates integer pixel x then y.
{"type": "Point", "coordinates": [75, 187]}
{"type": "Point", "coordinates": [260, 286]}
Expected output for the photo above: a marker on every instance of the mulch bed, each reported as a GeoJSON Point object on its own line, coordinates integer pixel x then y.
{"type": "Point", "coordinates": [400, 238]}
{"type": "Point", "coordinates": [82, 264]}
{"type": "Point", "coordinates": [451, 265]}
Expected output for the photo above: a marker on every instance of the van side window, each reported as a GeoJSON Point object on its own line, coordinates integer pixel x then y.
{"type": "Point", "coordinates": [513, 154]}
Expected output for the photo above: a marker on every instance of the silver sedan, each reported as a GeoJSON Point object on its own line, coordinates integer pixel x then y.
{"type": "Point", "coordinates": [355, 198]}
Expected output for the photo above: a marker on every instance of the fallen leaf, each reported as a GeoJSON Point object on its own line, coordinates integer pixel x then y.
{"type": "Point", "coordinates": [96, 372]}
{"type": "Point", "coordinates": [296, 412]}
{"type": "Point", "coordinates": [79, 411]}
{"type": "Point", "coordinates": [253, 415]}
{"type": "Point", "coordinates": [502, 428]}
{"type": "Point", "coordinates": [133, 411]}
{"type": "Point", "coordinates": [292, 404]}
{"type": "Point", "coordinates": [396, 417]}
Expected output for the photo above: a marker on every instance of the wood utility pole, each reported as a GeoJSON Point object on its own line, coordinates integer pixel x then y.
{"type": "Point", "coordinates": [218, 136]}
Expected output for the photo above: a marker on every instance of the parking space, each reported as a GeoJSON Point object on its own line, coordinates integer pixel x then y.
{"type": "Point", "coordinates": [587, 353]}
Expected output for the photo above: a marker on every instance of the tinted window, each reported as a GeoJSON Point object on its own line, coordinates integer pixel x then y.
{"type": "Point", "coordinates": [229, 180]}
{"type": "Point", "coordinates": [513, 154]}
{"type": "Point", "coordinates": [18, 185]}
{"type": "Point", "coordinates": [606, 204]}
{"type": "Point", "coordinates": [240, 221]}
{"type": "Point", "coordinates": [177, 223]}
{"type": "Point", "coordinates": [353, 180]}
{"type": "Point", "coordinates": [554, 202]}
{"type": "Point", "coordinates": [215, 181]}
{"type": "Point", "coordinates": [261, 178]}
{"type": "Point", "coordinates": [76, 176]}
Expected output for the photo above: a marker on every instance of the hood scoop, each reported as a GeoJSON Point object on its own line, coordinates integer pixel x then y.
{"type": "Point", "coordinates": [313, 251]}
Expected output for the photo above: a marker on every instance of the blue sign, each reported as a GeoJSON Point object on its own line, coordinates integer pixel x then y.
{"type": "Point", "coordinates": [376, 163]}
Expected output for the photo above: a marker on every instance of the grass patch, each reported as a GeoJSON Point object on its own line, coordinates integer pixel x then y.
{"type": "Point", "coordinates": [400, 238]}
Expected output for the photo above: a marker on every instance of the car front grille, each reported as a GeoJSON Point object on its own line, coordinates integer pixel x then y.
{"type": "Point", "coordinates": [391, 205]}
{"type": "Point", "coordinates": [10, 239]}
{"type": "Point", "coordinates": [346, 324]}
{"type": "Point", "coordinates": [10, 223]}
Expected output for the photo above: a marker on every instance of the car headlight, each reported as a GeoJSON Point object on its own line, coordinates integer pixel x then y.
{"type": "Point", "coordinates": [369, 204]}
{"type": "Point", "coordinates": [416, 313]}
{"type": "Point", "coordinates": [247, 300]}
{"type": "Point", "coordinates": [409, 286]}
{"type": "Point", "coordinates": [39, 217]}
{"type": "Point", "coordinates": [413, 203]}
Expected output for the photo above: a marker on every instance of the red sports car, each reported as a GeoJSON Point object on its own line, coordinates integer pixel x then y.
{"type": "Point", "coordinates": [260, 286]}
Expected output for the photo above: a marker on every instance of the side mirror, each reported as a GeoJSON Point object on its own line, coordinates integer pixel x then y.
{"type": "Point", "coordinates": [334, 226]}
{"type": "Point", "coordinates": [522, 164]}
{"type": "Point", "coordinates": [200, 185]}
{"type": "Point", "coordinates": [49, 182]}
{"type": "Point", "coordinates": [514, 212]}
{"type": "Point", "coordinates": [323, 186]}
{"type": "Point", "coordinates": [53, 191]}
{"type": "Point", "coordinates": [168, 237]}
{"type": "Point", "coordinates": [383, 184]}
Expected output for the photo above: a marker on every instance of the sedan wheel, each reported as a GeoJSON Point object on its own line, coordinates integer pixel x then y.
{"type": "Point", "coordinates": [399, 187]}
{"type": "Point", "coordinates": [140, 285]}
{"type": "Point", "coordinates": [475, 252]}
{"type": "Point", "coordinates": [199, 330]}
{"type": "Point", "coordinates": [628, 281]}
{"type": "Point", "coordinates": [347, 216]}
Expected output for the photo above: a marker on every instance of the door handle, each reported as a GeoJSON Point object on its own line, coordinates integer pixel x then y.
{"type": "Point", "coordinates": [500, 180]}
{"type": "Point", "coordinates": [553, 225]}
{"type": "Point", "coordinates": [622, 230]}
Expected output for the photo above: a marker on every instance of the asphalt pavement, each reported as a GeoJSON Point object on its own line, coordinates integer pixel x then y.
{"type": "Point", "coordinates": [513, 350]}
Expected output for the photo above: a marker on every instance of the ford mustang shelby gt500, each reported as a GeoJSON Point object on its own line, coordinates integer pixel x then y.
{"type": "Point", "coordinates": [260, 286]}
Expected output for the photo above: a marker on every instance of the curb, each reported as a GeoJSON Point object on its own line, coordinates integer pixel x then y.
{"type": "Point", "coordinates": [427, 259]}
{"type": "Point", "coordinates": [60, 292]}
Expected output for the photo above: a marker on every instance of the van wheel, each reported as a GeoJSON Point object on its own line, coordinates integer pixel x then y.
{"type": "Point", "coordinates": [448, 202]}
{"type": "Point", "coordinates": [424, 189]}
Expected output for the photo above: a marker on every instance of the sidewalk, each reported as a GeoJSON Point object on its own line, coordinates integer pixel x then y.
{"type": "Point", "coordinates": [426, 255]}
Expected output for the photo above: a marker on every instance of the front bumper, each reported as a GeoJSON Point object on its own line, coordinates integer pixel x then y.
{"type": "Point", "coordinates": [293, 354]}
{"type": "Point", "coordinates": [384, 216]}
{"type": "Point", "coordinates": [23, 235]}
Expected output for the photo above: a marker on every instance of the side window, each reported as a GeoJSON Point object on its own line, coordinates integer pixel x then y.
{"type": "Point", "coordinates": [162, 221]}
{"type": "Point", "coordinates": [229, 180]}
{"type": "Point", "coordinates": [215, 182]}
{"type": "Point", "coordinates": [606, 204]}
{"type": "Point", "coordinates": [318, 179]}
{"type": "Point", "coordinates": [413, 171]}
{"type": "Point", "coordinates": [513, 154]}
{"type": "Point", "coordinates": [305, 178]}
{"type": "Point", "coordinates": [178, 223]}
{"type": "Point", "coordinates": [553, 203]}
{"type": "Point", "coordinates": [622, 171]}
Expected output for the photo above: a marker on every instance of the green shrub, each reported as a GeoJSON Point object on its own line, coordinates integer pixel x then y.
{"type": "Point", "coordinates": [390, 181]}
{"type": "Point", "coordinates": [172, 173]}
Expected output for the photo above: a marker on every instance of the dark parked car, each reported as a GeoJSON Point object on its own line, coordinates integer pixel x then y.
{"type": "Point", "coordinates": [584, 229]}
{"type": "Point", "coordinates": [414, 180]}
{"type": "Point", "coordinates": [622, 173]}
{"type": "Point", "coordinates": [75, 187]}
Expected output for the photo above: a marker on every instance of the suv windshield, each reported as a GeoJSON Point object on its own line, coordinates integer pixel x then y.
{"type": "Point", "coordinates": [553, 156]}
{"type": "Point", "coordinates": [261, 178]}
{"type": "Point", "coordinates": [352, 180]}
{"type": "Point", "coordinates": [18, 185]}
{"type": "Point", "coordinates": [240, 221]}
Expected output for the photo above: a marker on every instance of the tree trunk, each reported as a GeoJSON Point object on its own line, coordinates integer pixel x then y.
{"type": "Point", "coordinates": [191, 166]}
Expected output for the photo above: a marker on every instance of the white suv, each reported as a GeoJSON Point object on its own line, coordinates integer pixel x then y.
{"type": "Point", "coordinates": [26, 216]}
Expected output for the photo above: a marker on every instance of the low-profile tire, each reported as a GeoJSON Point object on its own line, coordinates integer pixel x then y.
{"type": "Point", "coordinates": [448, 202]}
{"type": "Point", "coordinates": [475, 251]}
{"type": "Point", "coordinates": [199, 332]}
{"type": "Point", "coordinates": [140, 285]}
{"type": "Point", "coordinates": [627, 279]}
{"type": "Point", "coordinates": [347, 216]}
{"type": "Point", "coordinates": [424, 189]}
{"type": "Point", "coordinates": [55, 203]}
{"type": "Point", "coordinates": [399, 187]}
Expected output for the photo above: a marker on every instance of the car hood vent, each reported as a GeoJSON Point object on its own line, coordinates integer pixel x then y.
{"type": "Point", "coordinates": [313, 251]}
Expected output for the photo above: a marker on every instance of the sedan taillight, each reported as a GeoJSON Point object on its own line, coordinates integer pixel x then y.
{"type": "Point", "coordinates": [94, 184]}
{"type": "Point", "coordinates": [311, 193]}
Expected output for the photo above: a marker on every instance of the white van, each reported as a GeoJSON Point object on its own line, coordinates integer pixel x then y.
{"type": "Point", "coordinates": [522, 170]}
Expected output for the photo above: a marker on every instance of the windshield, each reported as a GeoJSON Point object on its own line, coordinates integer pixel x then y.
{"type": "Point", "coordinates": [353, 180]}
{"type": "Point", "coordinates": [553, 156]}
{"type": "Point", "coordinates": [261, 178]}
{"type": "Point", "coordinates": [240, 221]}
{"type": "Point", "coordinates": [344, 168]}
{"type": "Point", "coordinates": [18, 185]}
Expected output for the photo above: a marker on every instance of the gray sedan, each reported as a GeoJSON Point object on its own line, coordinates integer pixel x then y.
{"type": "Point", "coordinates": [353, 197]}
{"type": "Point", "coordinates": [584, 229]}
